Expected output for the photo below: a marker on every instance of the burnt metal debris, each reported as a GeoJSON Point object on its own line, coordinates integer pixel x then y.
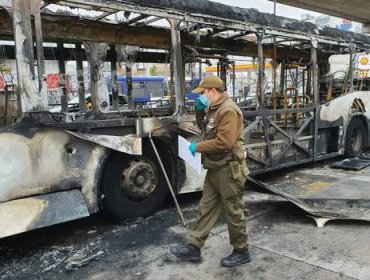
{"type": "Point", "coordinates": [251, 16]}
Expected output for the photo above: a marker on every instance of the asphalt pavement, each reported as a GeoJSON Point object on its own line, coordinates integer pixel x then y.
{"type": "Point", "coordinates": [285, 244]}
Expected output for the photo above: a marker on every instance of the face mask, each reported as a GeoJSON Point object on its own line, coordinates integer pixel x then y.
{"type": "Point", "coordinates": [203, 98]}
{"type": "Point", "coordinates": [201, 103]}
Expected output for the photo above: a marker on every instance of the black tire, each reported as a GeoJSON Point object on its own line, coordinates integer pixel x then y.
{"type": "Point", "coordinates": [355, 138]}
{"type": "Point", "coordinates": [116, 202]}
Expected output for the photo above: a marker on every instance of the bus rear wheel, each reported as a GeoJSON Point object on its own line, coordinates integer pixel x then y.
{"type": "Point", "coordinates": [132, 187]}
{"type": "Point", "coordinates": [355, 138]}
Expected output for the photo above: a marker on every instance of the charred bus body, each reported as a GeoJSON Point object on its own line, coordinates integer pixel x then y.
{"type": "Point", "coordinates": [60, 166]}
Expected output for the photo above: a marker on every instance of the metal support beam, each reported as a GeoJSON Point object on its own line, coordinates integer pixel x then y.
{"type": "Point", "coordinates": [261, 71]}
{"type": "Point", "coordinates": [96, 53]}
{"type": "Point", "coordinates": [223, 70]}
{"type": "Point", "coordinates": [316, 97]}
{"type": "Point", "coordinates": [148, 21]}
{"type": "Point", "coordinates": [315, 73]}
{"type": "Point", "coordinates": [36, 5]}
{"type": "Point", "coordinates": [32, 100]}
{"type": "Point", "coordinates": [63, 81]}
{"type": "Point", "coordinates": [103, 15]}
{"type": "Point", "coordinates": [115, 97]}
{"type": "Point", "coordinates": [136, 19]}
{"type": "Point", "coordinates": [172, 82]}
{"type": "Point", "coordinates": [127, 54]}
{"type": "Point", "coordinates": [80, 79]}
{"type": "Point", "coordinates": [179, 77]}
{"type": "Point", "coordinates": [352, 56]}
{"type": "Point", "coordinates": [233, 81]}
{"type": "Point", "coordinates": [130, 97]}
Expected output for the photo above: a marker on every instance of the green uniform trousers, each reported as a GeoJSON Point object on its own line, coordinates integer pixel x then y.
{"type": "Point", "coordinates": [221, 193]}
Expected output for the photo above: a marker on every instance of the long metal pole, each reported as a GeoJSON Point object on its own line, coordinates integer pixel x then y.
{"type": "Point", "coordinates": [167, 180]}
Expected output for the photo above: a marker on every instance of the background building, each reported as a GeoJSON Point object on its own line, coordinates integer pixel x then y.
{"type": "Point", "coordinates": [330, 21]}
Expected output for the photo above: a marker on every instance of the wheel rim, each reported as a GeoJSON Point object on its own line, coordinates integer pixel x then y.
{"type": "Point", "coordinates": [356, 139]}
{"type": "Point", "coordinates": [139, 179]}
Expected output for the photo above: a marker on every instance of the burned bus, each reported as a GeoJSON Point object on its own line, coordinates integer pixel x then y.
{"type": "Point", "coordinates": [60, 166]}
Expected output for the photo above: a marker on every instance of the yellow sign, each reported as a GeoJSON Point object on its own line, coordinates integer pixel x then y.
{"type": "Point", "coordinates": [364, 62]}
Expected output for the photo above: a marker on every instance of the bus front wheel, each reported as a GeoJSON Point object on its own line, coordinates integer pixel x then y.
{"type": "Point", "coordinates": [133, 186]}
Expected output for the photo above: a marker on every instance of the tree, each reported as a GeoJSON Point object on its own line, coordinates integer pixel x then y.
{"type": "Point", "coordinates": [153, 70]}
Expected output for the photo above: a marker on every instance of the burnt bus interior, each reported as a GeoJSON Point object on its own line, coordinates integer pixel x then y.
{"type": "Point", "coordinates": [281, 124]}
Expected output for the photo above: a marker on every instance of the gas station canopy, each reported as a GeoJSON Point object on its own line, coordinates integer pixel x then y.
{"type": "Point", "coordinates": [355, 10]}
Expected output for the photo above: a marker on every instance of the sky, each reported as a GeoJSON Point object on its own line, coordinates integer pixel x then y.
{"type": "Point", "coordinates": [268, 6]}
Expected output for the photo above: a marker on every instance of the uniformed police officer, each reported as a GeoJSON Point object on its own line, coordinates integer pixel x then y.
{"type": "Point", "coordinates": [221, 121]}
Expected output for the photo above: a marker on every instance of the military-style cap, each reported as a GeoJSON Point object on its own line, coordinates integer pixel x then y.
{"type": "Point", "coordinates": [209, 82]}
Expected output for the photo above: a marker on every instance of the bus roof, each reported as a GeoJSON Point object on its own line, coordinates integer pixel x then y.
{"type": "Point", "coordinates": [253, 16]}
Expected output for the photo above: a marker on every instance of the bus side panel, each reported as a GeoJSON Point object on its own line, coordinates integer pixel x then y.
{"type": "Point", "coordinates": [39, 161]}
{"type": "Point", "coordinates": [340, 108]}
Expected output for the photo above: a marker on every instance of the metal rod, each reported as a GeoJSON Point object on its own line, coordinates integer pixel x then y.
{"type": "Point", "coordinates": [148, 21]}
{"type": "Point", "coordinates": [274, 74]}
{"type": "Point", "coordinates": [115, 96]}
{"type": "Point", "coordinates": [316, 97]}
{"type": "Point", "coordinates": [260, 83]}
{"type": "Point", "coordinates": [178, 66]}
{"type": "Point", "coordinates": [80, 79]}
{"type": "Point", "coordinates": [351, 66]}
{"type": "Point", "coordinates": [315, 77]}
{"type": "Point", "coordinates": [39, 48]}
{"type": "Point", "coordinates": [129, 85]}
{"type": "Point", "coordinates": [234, 89]}
{"type": "Point", "coordinates": [167, 180]}
{"type": "Point", "coordinates": [62, 81]}
{"type": "Point", "coordinates": [136, 19]}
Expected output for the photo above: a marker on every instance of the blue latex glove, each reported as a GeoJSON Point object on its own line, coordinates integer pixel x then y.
{"type": "Point", "coordinates": [201, 103]}
{"type": "Point", "coordinates": [192, 148]}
